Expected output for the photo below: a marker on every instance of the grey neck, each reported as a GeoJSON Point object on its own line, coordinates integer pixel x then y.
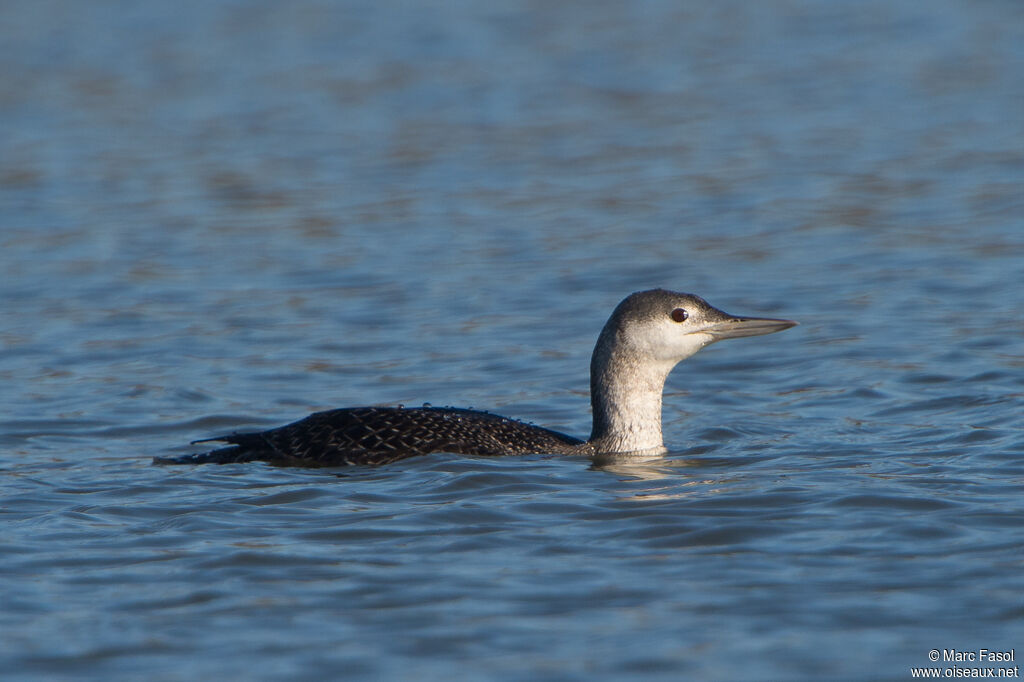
{"type": "Point", "coordinates": [625, 394]}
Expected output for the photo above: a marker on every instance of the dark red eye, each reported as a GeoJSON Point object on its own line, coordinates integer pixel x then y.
{"type": "Point", "coordinates": [679, 315]}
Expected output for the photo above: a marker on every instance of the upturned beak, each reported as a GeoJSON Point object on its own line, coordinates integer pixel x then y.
{"type": "Point", "coordinates": [732, 327]}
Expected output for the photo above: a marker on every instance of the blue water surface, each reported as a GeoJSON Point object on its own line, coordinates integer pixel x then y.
{"type": "Point", "coordinates": [225, 215]}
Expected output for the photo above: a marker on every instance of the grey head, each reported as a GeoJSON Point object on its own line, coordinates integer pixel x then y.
{"type": "Point", "coordinates": [647, 335]}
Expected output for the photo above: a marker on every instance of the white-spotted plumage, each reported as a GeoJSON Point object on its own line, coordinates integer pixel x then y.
{"type": "Point", "coordinates": [647, 335]}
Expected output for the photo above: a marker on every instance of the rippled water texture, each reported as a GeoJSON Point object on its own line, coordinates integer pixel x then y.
{"type": "Point", "coordinates": [225, 215]}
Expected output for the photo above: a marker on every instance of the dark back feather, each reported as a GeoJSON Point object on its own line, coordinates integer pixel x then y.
{"type": "Point", "coordinates": [378, 435]}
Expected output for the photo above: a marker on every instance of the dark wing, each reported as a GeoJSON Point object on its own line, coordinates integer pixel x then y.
{"type": "Point", "coordinates": [378, 435]}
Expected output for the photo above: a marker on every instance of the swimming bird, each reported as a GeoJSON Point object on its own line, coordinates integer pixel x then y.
{"type": "Point", "coordinates": [647, 335]}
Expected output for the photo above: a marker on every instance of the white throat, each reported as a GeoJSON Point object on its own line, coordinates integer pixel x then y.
{"type": "Point", "coordinates": [627, 380]}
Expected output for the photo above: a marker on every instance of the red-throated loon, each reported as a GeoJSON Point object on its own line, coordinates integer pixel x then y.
{"type": "Point", "coordinates": [647, 335]}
